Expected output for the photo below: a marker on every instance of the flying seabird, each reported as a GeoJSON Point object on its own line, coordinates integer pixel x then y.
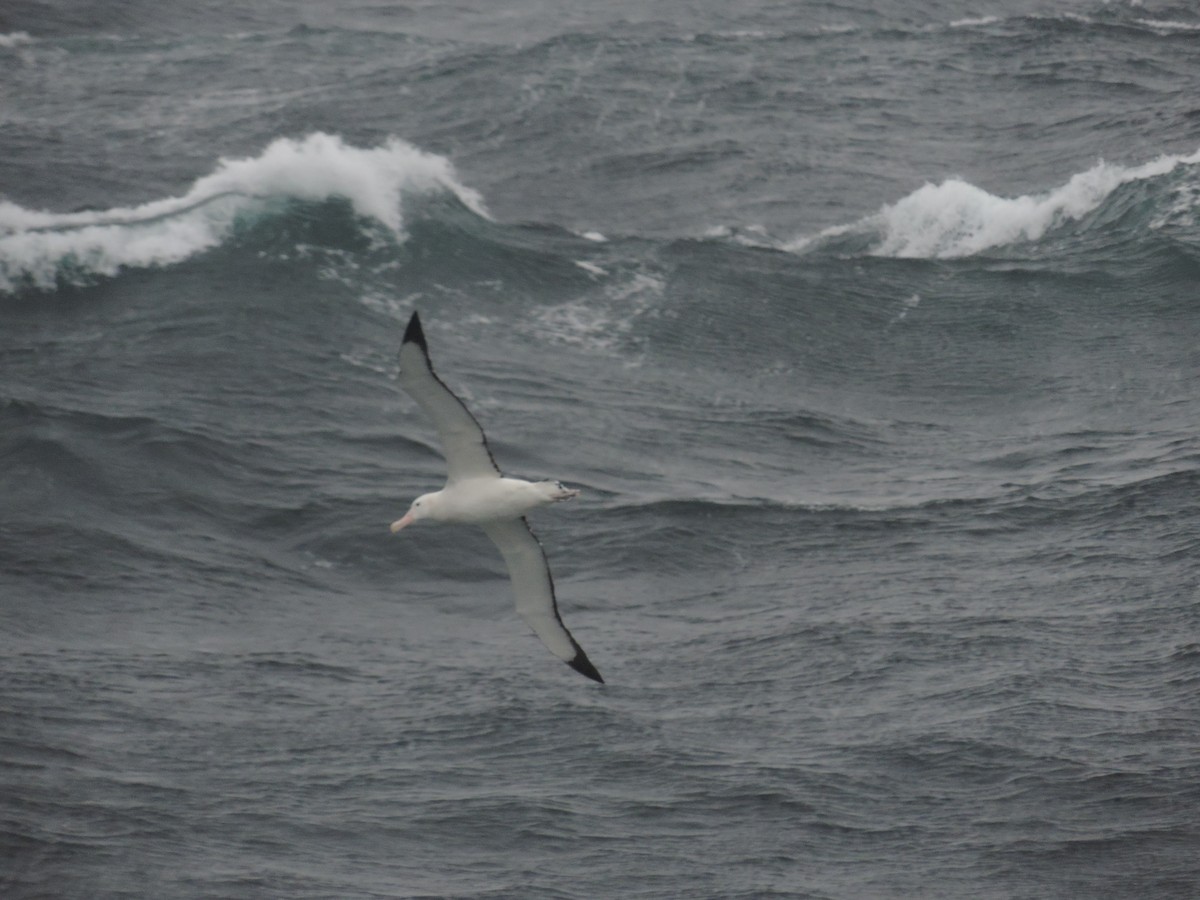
{"type": "Point", "coordinates": [476, 493]}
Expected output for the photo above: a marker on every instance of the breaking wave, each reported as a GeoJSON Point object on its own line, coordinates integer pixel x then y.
{"type": "Point", "coordinates": [955, 219]}
{"type": "Point", "coordinates": [39, 249]}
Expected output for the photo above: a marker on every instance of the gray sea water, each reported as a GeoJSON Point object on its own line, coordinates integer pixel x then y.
{"type": "Point", "coordinates": [868, 330]}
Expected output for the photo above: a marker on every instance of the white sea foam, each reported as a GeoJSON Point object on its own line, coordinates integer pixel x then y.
{"type": "Point", "coordinates": [956, 218]}
{"type": "Point", "coordinates": [591, 268]}
{"type": "Point", "coordinates": [976, 22]}
{"type": "Point", "coordinates": [15, 39]}
{"type": "Point", "coordinates": [1166, 27]}
{"type": "Point", "coordinates": [36, 246]}
{"type": "Point", "coordinates": [600, 323]}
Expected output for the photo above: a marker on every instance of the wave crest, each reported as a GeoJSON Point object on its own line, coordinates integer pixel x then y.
{"type": "Point", "coordinates": [957, 219]}
{"type": "Point", "coordinates": [40, 248]}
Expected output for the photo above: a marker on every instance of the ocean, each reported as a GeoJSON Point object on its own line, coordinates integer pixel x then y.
{"type": "Point", "coordinates": [869, 331]}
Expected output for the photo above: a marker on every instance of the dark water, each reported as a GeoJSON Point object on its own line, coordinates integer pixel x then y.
{"type": "Point", "coordinates": [870, 332]}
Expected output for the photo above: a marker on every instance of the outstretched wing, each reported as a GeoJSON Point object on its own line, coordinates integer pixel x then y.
{"type": "Point", "coordinates": [534, 589]}
{"type": "Point", "coordinates": [463, 441]}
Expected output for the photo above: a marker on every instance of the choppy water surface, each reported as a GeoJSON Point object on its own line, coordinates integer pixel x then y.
{"type": "Point", "coordinates": [869, 332]}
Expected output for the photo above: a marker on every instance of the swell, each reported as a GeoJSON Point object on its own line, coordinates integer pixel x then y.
{"type": "Point", "coordinates": [39, 250]}
{"type": "Point", "coordinates": [1095, 536]}
{"type": "Point", "coordinates": [955, 219]}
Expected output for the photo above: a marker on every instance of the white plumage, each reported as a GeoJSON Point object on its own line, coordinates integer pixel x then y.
{"type": "Point", "coordinates": [477, 494]}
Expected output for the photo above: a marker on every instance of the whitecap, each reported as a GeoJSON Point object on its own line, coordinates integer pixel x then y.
{"type": "Point", "coordinates": [1167, 26]}
{"type": "Point", "coordinates": [590, 268]}
{"type": "Point", "coordinates": [14, 39]}
{"type": "Point", "coordinates": [37, 246]}
{"type": "Point", "coordinates": [980, 22]}
{"type": "Point", "coordinates": [955, 218]}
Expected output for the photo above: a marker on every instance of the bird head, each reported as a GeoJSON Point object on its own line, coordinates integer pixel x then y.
{"type": "Point", "coordinates": [422, 508]}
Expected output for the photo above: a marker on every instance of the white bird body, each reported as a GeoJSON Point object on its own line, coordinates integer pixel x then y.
{"type": "Point", "coordinates": [477, 494]}
{"type": "Point", "coordinates": [475, 501]}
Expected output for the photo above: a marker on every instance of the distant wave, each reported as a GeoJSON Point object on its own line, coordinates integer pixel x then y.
{"type": "Point", "coordinates": [975, 22]}
{"type": "Point", "coordinates": [14, 39]}
{"type": "Point", "coordinates": [957, 219]}
{"type": "Point", "coordinates": [1125, 18]}
{"type": "Point", "coordinates": [38, 248]}
{"type": "Point", "coordinates": [1168, 27]}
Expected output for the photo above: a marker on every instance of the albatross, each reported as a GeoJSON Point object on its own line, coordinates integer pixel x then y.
{"type": "Point", "coordinates": [477, 493]}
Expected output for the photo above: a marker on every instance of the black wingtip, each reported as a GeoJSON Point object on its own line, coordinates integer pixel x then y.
{"type": "Point", "coordinates": [583, 666]}
{"type": "Point", "coordinates": [413, 333]}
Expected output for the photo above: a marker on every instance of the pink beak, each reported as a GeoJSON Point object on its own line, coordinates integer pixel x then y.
{"type": "Point", "coordinates": [402, 523]}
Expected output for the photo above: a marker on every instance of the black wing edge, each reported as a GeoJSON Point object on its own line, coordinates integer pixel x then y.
{"type": "Point", "coordinates": [580, 662]}
{"type": "Point", "coordinates": [583, 665]}
{"type": "Point", "coordinates": [414, 334]}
